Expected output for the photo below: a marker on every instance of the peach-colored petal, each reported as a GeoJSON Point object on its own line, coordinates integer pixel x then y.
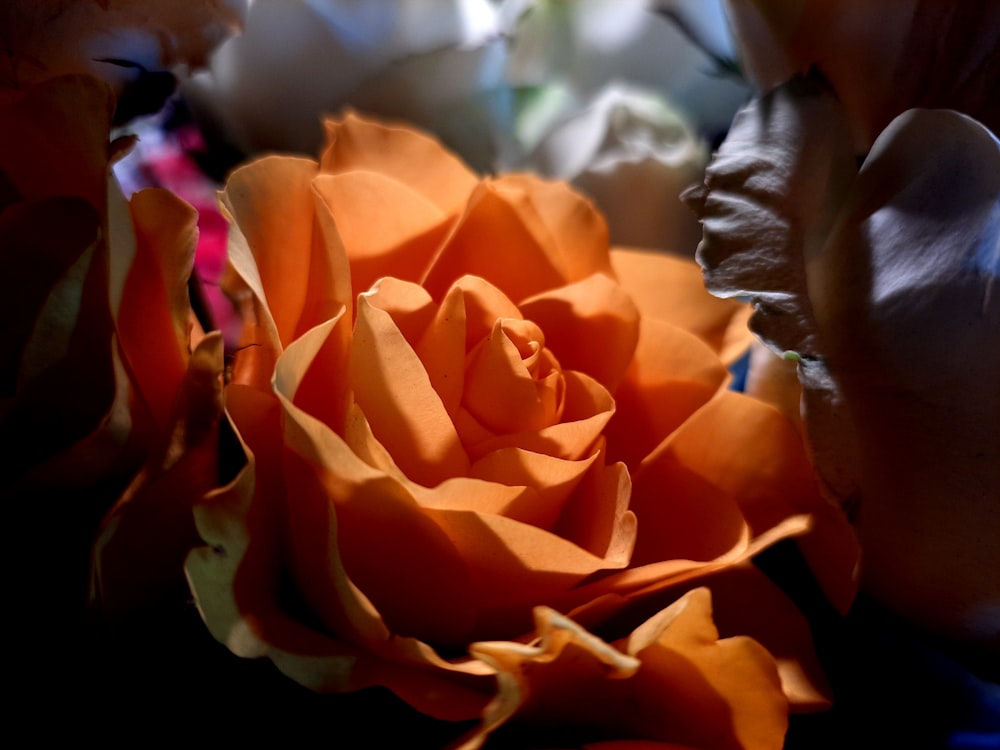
{"type": "Point", "coordinates": [495, 241]}
{"type": "Point", "coordinates": [597, 516]}
{"type": "Point", "coordinates": [512, 382]}
{"type": "Point", "coordinates": [300, 273]}
{"type": "Point", "coordinates": [753, 454]}
{"type": "Point", "coordinates": [236, 579]}
{"type": "Point", "coordinates": [442, 348]}
{"type": "Point", "coordinates": [406, 414]}
{"type": "Point", "coordinates": [587, 410]}
{"type": "Point", "coordinates": [670, 288]}
{"type": "Point", "coordinates": [411, 158]}
{"type": "Point", "coordinates": [310, 371]}
{"type": "Point", "coordinates": [591, 325]}
{"type": "Point", "coordinates": [672, 375]}
{"type": "Point", "coordinates": [383, 224]}
{"type": "Point", "coordinates": [671, 680]}
{"type": "Point", "coordinates": [484, 303]}
{"type": "Point", "coordinates": [747, 602]}
{"type": "Point", "coordinates": [553, 480]}
{"type": "Point", "coordinates": [575, 231]}
{"type": "Point", "coordinates": [512, 564]}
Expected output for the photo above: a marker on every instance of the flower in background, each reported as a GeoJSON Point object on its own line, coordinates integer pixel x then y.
{"type": "Point", "coordinates": [437, 64]}
{"type": "Point", "coordinates": [913, 53]}
{"type": "Point", "coordinates": [626, 142]}
{"type": "Point", "coordinates": [880, 282]}
{"type": "Point", "coordinates": [682, 50]}
{"type": "Point", "coordinates": [109, 385]}
{"type": "Point", "coordinates": [622, 99]}
{"type": "Point", "coordinates": [459, 404]}
{"type": "Point", "coordinates": [133, 46]}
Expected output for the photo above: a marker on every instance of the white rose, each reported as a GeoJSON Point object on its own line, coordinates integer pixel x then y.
{"type": "Point", "coordinates": [419, 60]}
{"type": "Point", "coordinates": [627, 142]}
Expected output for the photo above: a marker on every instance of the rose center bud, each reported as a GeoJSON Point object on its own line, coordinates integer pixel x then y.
{"type": "Point", "coordinates": [512, 382]}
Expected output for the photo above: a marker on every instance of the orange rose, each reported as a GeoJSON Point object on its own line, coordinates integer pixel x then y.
{"type": "Point", "coordinates": [460, 405]}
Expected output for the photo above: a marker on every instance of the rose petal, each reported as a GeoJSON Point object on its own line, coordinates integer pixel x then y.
{"type": "Point", "coordinates": [279, 221]}
{"type": "Point", "coordinates": [512, 382]}
{"type": "Point", "coordinates": [671, 289]}
{"type": "Point", "coordinates": [383, 224]}
{"type": "Point", "coordinates": [236, 583]}
{"type": "Point", "coordinates": [524, 214]}
{"type": "Point", "coordinates": [411, 158]}
{"type": "Point", "coordinates": [155, 319]}
{"type": "Point", "coordinates": [591, 325]}
{"type": "Point", "coordinates": [671, 680]}
{"type": "Point", "coordinates": [588, 409]}
{"type": "Point", "coordinates": [128, 574]}
{"type": "Point", "coordinates": [672, 375]}
{"type": "Point", "coordinates": [406, 414]}
{"type": "Point", "coordinates": [553, 480]}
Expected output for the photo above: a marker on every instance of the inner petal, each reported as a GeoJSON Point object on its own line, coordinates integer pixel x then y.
{"type": "Point", "coordinates": [512, 382]}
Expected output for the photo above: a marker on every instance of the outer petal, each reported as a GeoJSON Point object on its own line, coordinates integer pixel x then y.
{"type": "Point", "coordinates": [155, 319]}
{"type": "Point", "coordinates": [539, 235]}
{"type": "Point", "coordinates": [671, 289]}
{"type": "Point", "coordinates": [238, 580]}
{"type": "Point", "coordinates": [413, 159]}
{"type": "Point", "coordinates": [129, 573]}
{"type": "Point", "coordinates": [671, 680]}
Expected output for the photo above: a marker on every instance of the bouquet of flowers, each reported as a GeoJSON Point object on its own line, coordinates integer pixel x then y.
{"type": "Point", "coordinates": [367, 372]}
